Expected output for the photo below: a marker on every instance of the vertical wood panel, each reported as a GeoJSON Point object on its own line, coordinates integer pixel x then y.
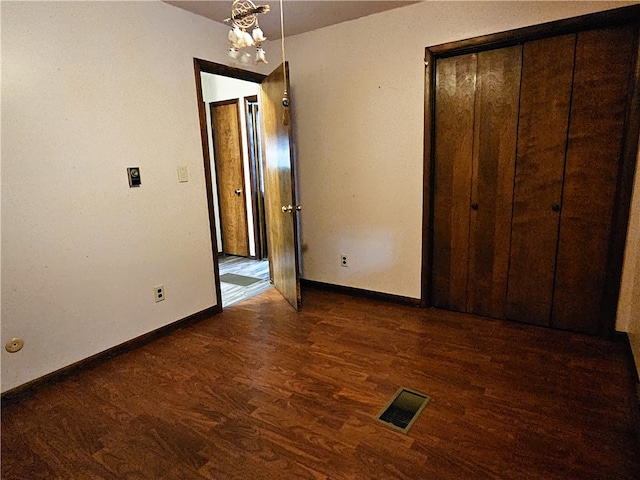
{"type": "Point", "coordinates": [600, 98]}
{"type": "Point", "coordinates": [494, 151]}
{"type": "Point", "coordinates": [426, 299]}
{"type": "Point", "coordinates": [621, 219]}
{"type": "Point", "coordinates": [454, 106]}
{"type": "Point", "coordinates": [255, 174]}
{"type": "Point", "coordinates": [227, 146]}
{"type": "Point", "coordinates": [547, 75]}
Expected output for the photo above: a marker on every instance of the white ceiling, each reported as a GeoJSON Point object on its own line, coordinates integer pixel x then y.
{"type": "Point", "coordinates": [299, 15]}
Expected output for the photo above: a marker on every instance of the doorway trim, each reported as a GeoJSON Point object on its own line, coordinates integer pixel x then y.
{"type": "Point", "coordinates": [254, 149]}
{"type": "Point", "coordinates": [204, 66]}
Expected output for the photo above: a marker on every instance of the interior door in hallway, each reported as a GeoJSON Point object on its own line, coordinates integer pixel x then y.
{"type": "Point", "coordinates": [281, 203]}
{"type": "Point", "coordinates": [227, 146]}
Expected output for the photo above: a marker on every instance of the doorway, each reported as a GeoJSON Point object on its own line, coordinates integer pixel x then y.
{"type": "Point", "coordinates": [245, 276]}
{"type": "Point", "coordinates": [234, 140]}
{"type": "Point", "coordinates": [253, 211]}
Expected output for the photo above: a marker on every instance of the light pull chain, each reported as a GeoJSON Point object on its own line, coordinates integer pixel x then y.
{"type": "Point", "coordinates": [285, 95]}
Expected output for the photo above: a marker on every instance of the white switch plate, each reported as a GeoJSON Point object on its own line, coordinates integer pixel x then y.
{"type": "Point", "coordinates": [183, 174]}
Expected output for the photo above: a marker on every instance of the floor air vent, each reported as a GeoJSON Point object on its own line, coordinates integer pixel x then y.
{"type": "Point", "coordinates": [404, 409]}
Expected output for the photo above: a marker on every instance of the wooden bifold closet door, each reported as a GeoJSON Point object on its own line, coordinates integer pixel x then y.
{"type": "Point", "coordinates": [599, 104]}
{"type": "Point", "coordinates": [494, 153]}
{"type": "Point", "coordinates": [575, 91]}
{"type": "Point", "coordinates": [454, 117]}
{"type": "Point", "coordinates": [527, 146]}
{"type": "Point", "coordinates": [547, 78]}
{"type": "Point", "coordinates": [476, 126]}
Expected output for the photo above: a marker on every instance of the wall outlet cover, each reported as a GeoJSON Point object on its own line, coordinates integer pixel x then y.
{"type": "Point", "coordinates": [158, 291]}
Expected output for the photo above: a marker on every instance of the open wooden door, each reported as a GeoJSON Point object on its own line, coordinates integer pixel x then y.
{"type": "Point", "coordinates": [281, 207]}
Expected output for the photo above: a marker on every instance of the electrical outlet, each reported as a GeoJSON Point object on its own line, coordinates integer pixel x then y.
{"type": "Point", "coordinates": [344, 260]}
{"type": "Point", "coordinates": [158, 291]}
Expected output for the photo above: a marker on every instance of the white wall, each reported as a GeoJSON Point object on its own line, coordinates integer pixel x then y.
{"type": "Point", "coordinates": [358, 96]}
{"type": "Point", "coordinates": [217, 88]}
{"type": "Point", "coordinates": [89, 89]}
{"type": "Point", "coordinates": [633, 327]}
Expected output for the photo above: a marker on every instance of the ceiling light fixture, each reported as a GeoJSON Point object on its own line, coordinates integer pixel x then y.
{"type": "Point", "coordinates": [244, 15]}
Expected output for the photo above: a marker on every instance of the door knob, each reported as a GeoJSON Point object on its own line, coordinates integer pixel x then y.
{"type": "Point", "coordinates": [291, 208]}
{"type": "Point", "coordinates": [238, 191]}
{"type": "Point", "coordinates": [555, 207]}
{"type": "Point", "coordinates": [474, 206]}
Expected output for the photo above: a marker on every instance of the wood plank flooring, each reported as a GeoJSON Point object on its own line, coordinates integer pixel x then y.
{"type": "Point", "coordinates": [263, 392]}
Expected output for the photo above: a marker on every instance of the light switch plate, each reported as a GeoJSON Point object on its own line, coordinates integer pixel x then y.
{"type": "Point", "coordinates": [183, 174]}
{"type": "Point", "coordinates": [134, 176]}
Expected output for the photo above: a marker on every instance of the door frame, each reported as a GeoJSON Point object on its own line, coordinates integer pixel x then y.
{"type": "Point", "coordinates": [618, 16]}
{"type": "Point", "coordinates": [204, 66]}
{"type": "Point", "coordinates": [254, 148]}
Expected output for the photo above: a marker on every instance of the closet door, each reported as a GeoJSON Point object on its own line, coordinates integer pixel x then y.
{"type": "Point", "coordinates": [547, 75]}
{"type": "Point", "coordinates": [602, 75]}
{"type": "Point", "coordinates": [454, 116]}
{"type": "Point", "coordinates": [494, 152]}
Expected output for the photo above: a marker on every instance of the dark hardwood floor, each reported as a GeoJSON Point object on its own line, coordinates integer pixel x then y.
{"type": "Point", "coordinates": [263, 392]}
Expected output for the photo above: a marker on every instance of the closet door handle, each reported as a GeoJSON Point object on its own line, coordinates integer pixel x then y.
{"type": "Point", "coordinates": [474, 206]}
{"type": "Point", "coordinates": [555, 207]}
{"type": "Point", "coordinates": [238, 191]}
